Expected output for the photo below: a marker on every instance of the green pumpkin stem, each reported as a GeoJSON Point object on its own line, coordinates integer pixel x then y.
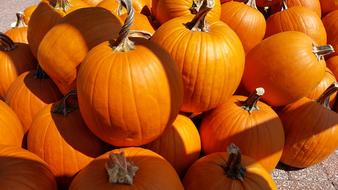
{"type": "Point", "coordinates": [199, 23]}
{"type": "Point", "coordinates": [63, 5]}
{"type": "Point", "coordinates": [324, 99]}
{"type": "Point", "coordinates": [250, 104]}
{"type": "Point", "coordinates": [252, 3]}
{"type": "Point", "coordinates": [66, 105]}
{"type": "Point", "coordinates": [39, 73]}
{"type": "Point", "coordinates": [120, 170]}
{"type": "Point", "coordinates": [19, 21]}
{"type": "Point", "coordinates": [321, 51]}
{"type": "Point", "coordinates": [233, 168]}
{"type": "Point", "coordinates": [6, 43]}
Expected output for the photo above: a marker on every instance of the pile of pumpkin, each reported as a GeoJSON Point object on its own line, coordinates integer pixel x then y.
{"type": "Point", "coordinates": [166, 94]}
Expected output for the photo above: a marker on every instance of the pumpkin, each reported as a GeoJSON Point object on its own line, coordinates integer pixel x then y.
{"type": "Point", "coordinates": [210, 58]}
{"type": "Point", "coordinates": [29, 94]}
{"type": "Point", "coordinates": [328, 6]}
{"type": "Point", "coordinates": [332, 64]}
{"type": "Point", "coordinates": [138, 5]}
{"type": "Point", "coordinates": [92, 2]}
{"type": "Point", "coordinates": [164, 10]}
{"type": "Point", "coordinates": [141, 23]}
{"type": "Point", "coordinates": [248, 23]}
{"type": "Point", "coordinates": [311, 4]}
{"type": "Point", "coordinates": [71, 39]}
{"type": "Point", "coordinates": [228, 170]}
{"type": "Point", "coordinates": [27, 13]}
{"type": "Point", "coordinates": [297, 19]}
{"type": "Point", "coordinates": [287, 65]}
{"type": "Point", "coordinates": [179, 144]}
{"type": "Point", "coordinates": [11, 130]}
{"type": "Point", "coordinates": [19, 32]}
{"type": "Point", "coordinates": [127, 109]}
{"type": "Point", "coordinates": [52, 138]}
{"type": "Point", "coordinates": [21, 169]}
{"type": "Point", "coordinates": [45, 16]}
{"type": "Point", "coordinates": [311, 130]}
{"type": "Point", "coordinates": [128, 168]}
{"type": "Point", "coordinates": [331, 25]}
{"type": "Point", "coordinates": [15, 58]}
{"type": "Point", "coordinates": [252, 125]}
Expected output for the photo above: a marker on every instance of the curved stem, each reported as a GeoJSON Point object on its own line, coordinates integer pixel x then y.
{"type": "Point", "coordinates": [321, 51]}
{"type": "Point", "coordinates": [252, 3]}
{"type": "Point", "coordinates": [250, 104]}
{"type": "Point", "coordinates": [40, 74]}
{"type": "Point", "coordinates": [66, 106]}
{"type": "Point", "coordinates": [199, 22]}
{"type": "Point", "coordinates": [63, 5]}
{"type": "Point", "coordinates": [324, 99]}
{"type": "Point", "coordinates": [19, 21]}
{"type": "Point", "coordinates": [233, 167]}
{"type": "Point", "coordinates": [6, 43]}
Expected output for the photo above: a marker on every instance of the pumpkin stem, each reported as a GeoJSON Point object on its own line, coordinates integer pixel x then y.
{"type": "Point", "coordinates": [6, 43]}
{"type": "Point", "coordinates": [66, 105]}
{"type": "Point", "coordinates": [120, 170]}
{"type": "Point", "coordinates": [321, 51]}
{"type": "Point", "coordinates": [233, 167]}
{"type": "Point", "coordinates": [19, 21]}
{"type": "Point", "coordinates": [324, 99]}
{"type": "Point", "coordinates": [252, 3]}
{"type": "Point", "coordinates": [198, 23]}
{"type": "Point", "coordinates": [250, 104]}
{"type": "Point", "coordinates": [63, 5]}
{"type": "Point", "coordinates": [284, 5]}
{"type": "Point", "coordinates": [140, 33]}
{"type": "Point", "coordinates": [123, 43]}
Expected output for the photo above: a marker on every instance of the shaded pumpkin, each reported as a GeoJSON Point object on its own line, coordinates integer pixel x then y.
{"type": "Point", "coordinates": [21, 169]}
{"type": "Point", "coordinates": [179, 144]}
{"type": "Point", "coordinates": [138, 5]}
{"type": "Point", "coordinates": [29, 94]}
{"type": "Point", "coordinates": [228, 170]}
{"type": "Point", "coordinates": [311, 4]}
{"type": "Point", "coordinates": [18, 33]}
{"type": "Point", "coordinates": [71, 39]}
{"type": "Point", "coordinates": [331, 25]}
{"type": "Point", "coordinates": [287, 65]}
{"type": "Point", "coordinates": [332, 64]}
{"type": "Point", "coordinates": [311, 130]}
{"type": "Point", "coordinates": [144, 170]}
{"type": "Point", "coordinates": [328, 6]}
{"type": "Point", "coordinates": [27, 13]}
{"type": "Point", "coordinates": [210, 58]}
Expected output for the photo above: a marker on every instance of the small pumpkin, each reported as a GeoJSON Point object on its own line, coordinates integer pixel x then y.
{"type": "Point", "coordinates": [328, 6]}
{"type": "Point", "coordinates": [331, 25]}
{"type": "Point", "coordinates": [19, 32]}
{"type": "Point", "coordinates": [228, 170]}
{"type": "Point", "coordinates": [21, 169]}
{"type": "Point", "coordinates": [27, 13]}
{"type": "Point", "coordinates": [311, 130]}
{"type": "Point", "coordinates": [332, 64]}
{"type": "Point", "coordinates": [15, 58]}
{"type": "Point", "coordinates": [311, 4]}
{"type": "Point", "coordinates": [179, 144]}
{"type": "Point", "coordinates": [128, 168]}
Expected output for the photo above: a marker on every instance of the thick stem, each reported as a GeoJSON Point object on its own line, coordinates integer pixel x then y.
{"type": "Point", "coordinates": [63, 5]}
{"type": "Point", "coordinates": [324, 99]}
{"type": "Point", "coordinates": [250, 104]}
{"type": "Point", "coordinates": [199, 22]}
{"type": "Point", "coordinates": [120, 170]}
{"type": "Point", "coordinates": [123, 43]}
{"type": "Point", "coordinates": [321, 51]}
{"type": "Point", "coordinates": [233, 167]}
{"type": "Point", "coordinates": [6, 43]}
{"type": "Point", "coordinates": [66, 105]}
{"type": "Point", "coordinates": [19, 21]}
{"type": "Point", "coordinates": [252, 3]}
{"type": "Point", "coordinates": [40, 74]}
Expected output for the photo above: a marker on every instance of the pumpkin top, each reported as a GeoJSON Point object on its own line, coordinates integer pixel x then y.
{"type": "Point", "coordinates": [19, 20]}
{"type": "Point", "coordinates": [63, 5]}
{"type": "Point", "coordinates": [199, 23]}
{"type": "Point", "coordinates": [250, 104]}
{"type": "Point", "coordinates": [233, 167]}
{"type": "Point", "coordinates": [6, 43]}
{"type": "Point", "coordinates": [66, 106]}
{"type": "Point", "coordinates": [324, 99]}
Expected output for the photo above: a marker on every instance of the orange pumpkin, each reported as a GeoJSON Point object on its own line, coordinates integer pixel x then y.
{"type": "Point", "coordinates": [92, 2]}
{"type": "Point", "coordinates": [287, 65]}
{"type": "Point", "coordinates": [27, 13]}
{"type": "Point", "coordinates": [60, 137]}
{"type": "Point", "coordinates": [328, 6]}
{"type": "Point", "coordinates": [230, 170]}
{"type": "Point", "coordinates": [45, 16]}
{"type": "Point", "coordinates": [11, 130]}
{"type": "Point", "coordinates": [19, 32]}
{"type": "Point", "coordinates": [141, 23]}
{"type": "Point", "coordinates": [138, 5]}
{"type": "Point", "coordinates": [15, 58]}
{"type": "Point", "coordinates": [311, 4]}
{"type": "Point", "coordinates": [331, 25]}
{"type": "Point", "coordinates": [29, 94]}
{"type": "Point", "coordinates": [127, 109]}
{"type": "Point", "coordinates": [179, 144]}
{"type": "Point", "coordinates": [128, 168]}
{"type": "Point", "coordinates": [297, 19]}
{"type": "Point", "coordinates": [210, 58]}
{"type": "Point", "coordinates": [21, 169]}
{"type": "Point", "coordinates": [332, 64]}
{"type": "Point", "coordinates": [248, 23]}
{"type": "Point", "coordinates": [71, 39]}
{"type": "Point", "coordinates": [311, 130]}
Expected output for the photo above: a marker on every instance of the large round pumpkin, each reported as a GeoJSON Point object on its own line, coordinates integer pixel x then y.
{"type": "Point", "coordinates": [210, 58]}
{"type": "Point", "coordinates": [328, 6]}
{"type": "Point", "coordinates": [19, 32]}
{"type": "Point", "coordinates": [128, 169]}
{"type": "Point", "coordinates": [179, 144]}
{"type": "Point", "coordinates": [228, 170]}
{"type": "Point", "coordinates": [331, 25]}
{"type": "Point", "coordinates": [311, 4]}
{"type": "Point", "coordinates": [21, 169]}
{"type": "Point", "coordinates": [287, 65]}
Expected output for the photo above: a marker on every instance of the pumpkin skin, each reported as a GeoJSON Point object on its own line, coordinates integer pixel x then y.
{"type": "Point", "coordinates": [328, 6]}
{"type": "Point", "coordinates": [285, 66]}
{"type": "Point", "coordinates": [211, 63]}
{"type": "Point", "coordinates": [299, 19]}
{"type": "Point", "coordinates": [138, 5]}
{"type": "Point", "coordinates": [151, 166]}
{"type": "Point", "coordinates": [141, 22]}
{"type": "Point", "coordinates": [27, 13]}
{"type": "Point", "coordinates": [37, 91]}
{"type": "Point", "coordinates": [21, 169]}
{"type": "Point", "coordinates": [164, 10]}
{"type": "Point", "coordinates": [207, 173]}
{"type": "Point", "coordinates": [248, 23]}
{"type": "Point", "coordinates": [311, 4]}
{"type": "Point", "coordinates": [330, 22]}
{"type": "Point", "coordinates": [179, 144]}
{"type": "Point", "coordinates": [44, 17]}
{"type": "Point", "coordinates": [92, 2]}
{"type": "Point", "coordinates": [19, 32]}
{"type": "Point", "coordinates": [332, 64]}
{"type": "Point", "coordinates": [11, 130]}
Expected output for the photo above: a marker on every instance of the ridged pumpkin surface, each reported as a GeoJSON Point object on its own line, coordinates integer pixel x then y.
{"type": "Point", "coordinates": [311, 4]}
{"type": "Point", "coordinates": [331, 25]}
